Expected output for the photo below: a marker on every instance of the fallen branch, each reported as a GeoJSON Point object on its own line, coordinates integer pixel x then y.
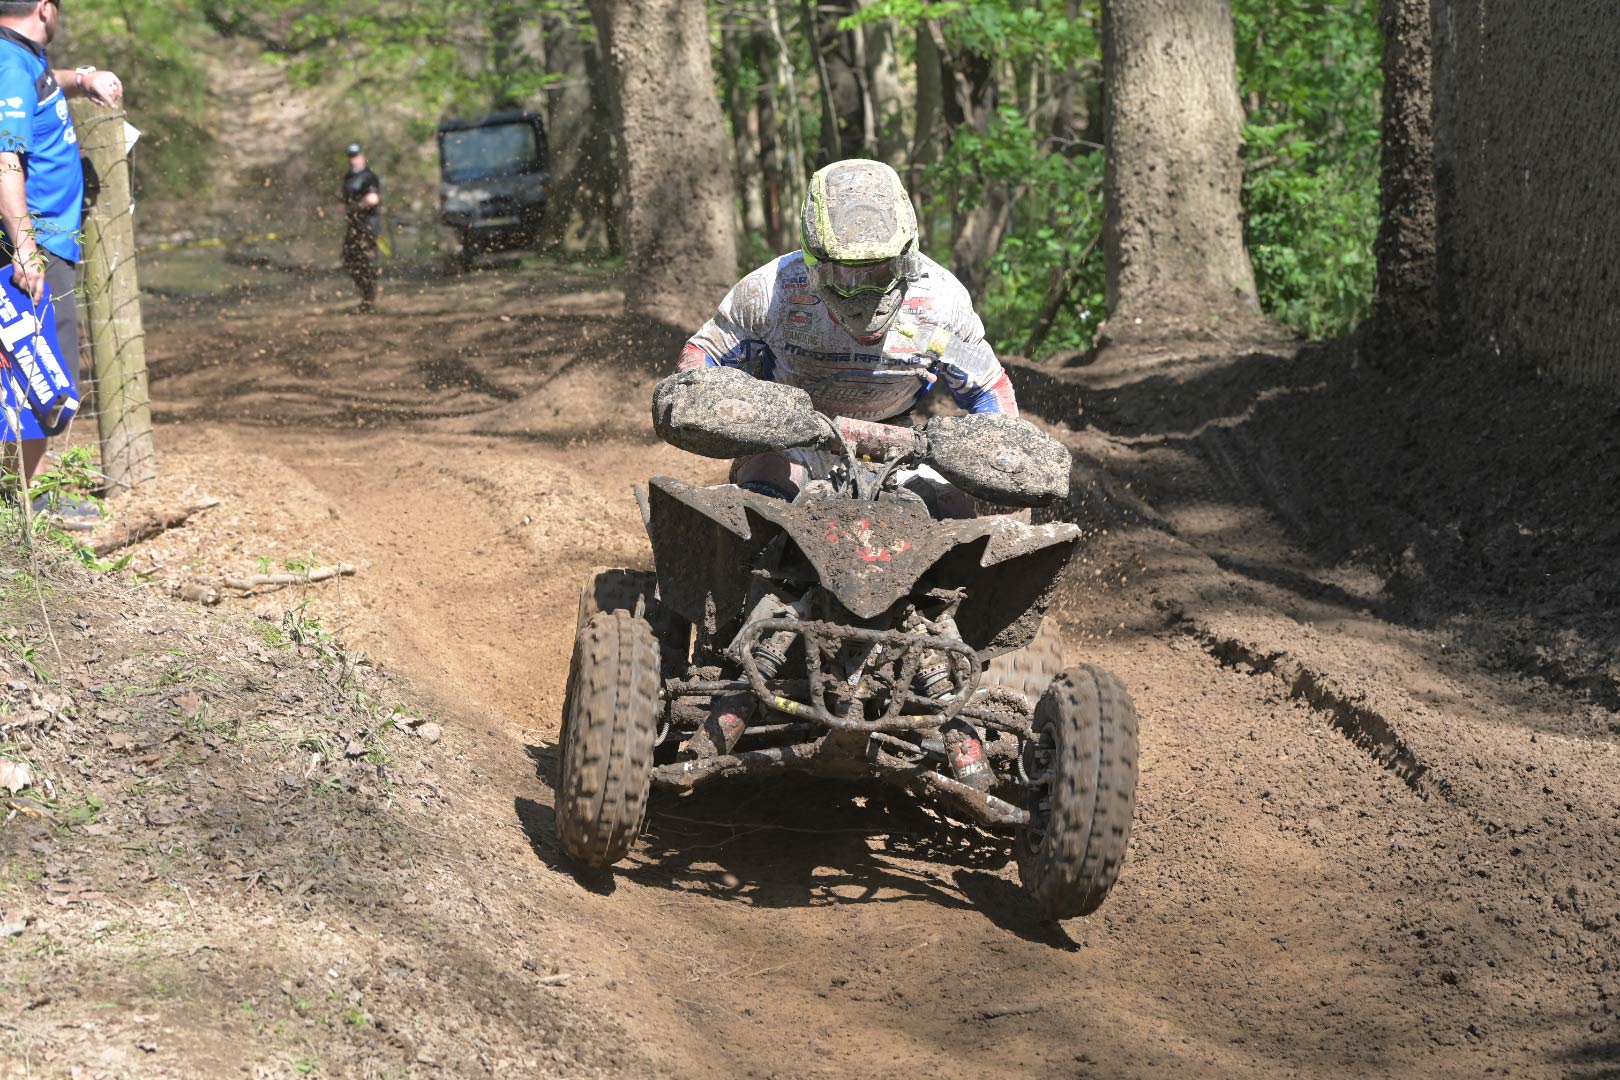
{"type": "Point", "coordinates": [208, 592]}
{"type": "Point", "coordinates": [309, 577]}
{"type": "Point", "coordinates": [997, 1013]}
{"type": "Point", "coordinates": [145, 528]}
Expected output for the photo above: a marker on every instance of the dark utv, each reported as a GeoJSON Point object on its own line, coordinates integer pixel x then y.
{"type": "Point", "coordinates": [492, 194]}
{"type": "Point", "coordinates": [850, 633]}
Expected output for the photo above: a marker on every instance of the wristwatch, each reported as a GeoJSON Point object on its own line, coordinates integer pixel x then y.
{"type": "Point", "coordinates": [84, 73]}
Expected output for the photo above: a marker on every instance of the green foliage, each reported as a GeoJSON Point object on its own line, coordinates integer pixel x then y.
{"type": "Point", "coordinates": [75, 476]}
{"type": "Point", "coordinates": [1311, 81]}
{"type": "Point", "coordinates": [1057, 214]}
{"type": "Point", "coordinates": [1054, 230]}
{"type": "Point", "coordinates": [153, 45]}
{"type": "Point", "coordinates": [455, 56]}
{"type": "Point", "coordinates": [1312, 86]}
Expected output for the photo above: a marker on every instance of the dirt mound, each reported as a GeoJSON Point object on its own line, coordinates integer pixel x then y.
{"type": "Point", "coordinates": [224, 855]}
{"type": "Point", "coordinates": [1481, 496]}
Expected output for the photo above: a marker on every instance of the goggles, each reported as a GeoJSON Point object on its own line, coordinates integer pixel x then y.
{"type": "Point", "coordinates": [851, 279]}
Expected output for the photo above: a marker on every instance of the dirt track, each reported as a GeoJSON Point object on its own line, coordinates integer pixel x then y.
{"type": "Point", "coordinates": [1359, 851]}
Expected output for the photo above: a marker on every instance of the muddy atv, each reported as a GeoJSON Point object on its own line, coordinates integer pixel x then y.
{"type": "Point", "coordinates": [850, 633]}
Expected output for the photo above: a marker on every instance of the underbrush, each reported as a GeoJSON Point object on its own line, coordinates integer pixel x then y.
{"type": "Point", "coordinates": [166, 769]}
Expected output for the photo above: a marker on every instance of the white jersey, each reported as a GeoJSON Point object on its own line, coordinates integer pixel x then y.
{"type": "Point", "coordinates": [773, 326]}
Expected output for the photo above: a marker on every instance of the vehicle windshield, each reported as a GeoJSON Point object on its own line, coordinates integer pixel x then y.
{"type": "Point", "coordinates": [498, 150]}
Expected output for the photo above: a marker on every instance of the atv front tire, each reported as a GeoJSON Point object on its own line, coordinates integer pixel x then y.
{"type": "Point", "coordinates": [1030, 670]}
{"type": "Point", "coordinates": [628, 590]}
{"type": "Point", "coordinates": [1082, 764]}
{"type": "Point", "coordinates": [610, 721]}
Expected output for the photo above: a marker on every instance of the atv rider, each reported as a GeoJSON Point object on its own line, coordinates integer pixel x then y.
{"type": "Point", "coordinates": [861, 320]}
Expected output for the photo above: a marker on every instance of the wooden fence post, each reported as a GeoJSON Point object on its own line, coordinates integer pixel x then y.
{"type": "Point", "coordinates": [111, 296]}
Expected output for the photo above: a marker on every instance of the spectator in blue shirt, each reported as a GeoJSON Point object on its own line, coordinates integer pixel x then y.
{"type": "Point", "coordinates": [41, 176]}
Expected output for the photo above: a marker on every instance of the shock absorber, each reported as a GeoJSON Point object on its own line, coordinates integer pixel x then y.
{"type": "Point", "coordinates": [729, 714]}
{"type": "Point", "coordinates": [936, 678]}
{"type": "Point", "coordinates": [964, 750]}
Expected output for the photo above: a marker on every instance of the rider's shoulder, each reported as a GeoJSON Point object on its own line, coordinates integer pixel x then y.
{"type": "Point", "coordinates": [788, 270]}
{"type": "Point", "coordinates": [784, 275]}
{"type": "Point", "coordinates": [936, 277]}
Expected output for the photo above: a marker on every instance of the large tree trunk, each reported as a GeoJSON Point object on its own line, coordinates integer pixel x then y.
{"type": "Point", "coordinates": [1405, 307]}
{"type": "Point", "coordinates": [1173, 235]}
{"type": "Point", "coordinates": [679, 225]}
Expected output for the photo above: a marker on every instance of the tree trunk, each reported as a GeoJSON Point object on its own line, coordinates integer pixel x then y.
{"type": "Point", "coordinates": [832, 143]}
{"type": "Point", "coordinates": [929, 134]}
{"type": "Point", "coordinates": [507, 52]}
{"type": "Point", "coordinates": [978, 233]}
{"type": "Point", "coordinates": [112, 304]}
{"type": "Point", "coordinates": [1173, 235]}
{"type": "Point", "coordinates": [679, 225]}
{"type": "Point", "coordinates": [770, 138]}
{"type": "Point", "coordinates": [583, 171]}
{"type": "Point", "coordinates": [1405, 307]}
{"type": "Point", "coordinates": [885, 91]}
{"type": "Point", "coordinates": [792, 175]}
{"type": "Point", "coordinates": [978, 224]}
{"type": "Point", "coordinates": [740, 107]}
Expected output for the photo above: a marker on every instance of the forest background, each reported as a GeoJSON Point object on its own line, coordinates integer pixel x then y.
{"type": "Point", "coordinates": [992, 110]}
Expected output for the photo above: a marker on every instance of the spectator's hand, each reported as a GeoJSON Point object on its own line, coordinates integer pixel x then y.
{"type": "Point", "coordinates": [28, 271]}
{"type": "Point", "coordinates": [104, 88]}
{"type": "Point", "coordinates": [371, 199]}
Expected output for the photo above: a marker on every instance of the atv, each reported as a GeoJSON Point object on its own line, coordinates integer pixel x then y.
{"type": "Point", "coordinates": [850, 633]}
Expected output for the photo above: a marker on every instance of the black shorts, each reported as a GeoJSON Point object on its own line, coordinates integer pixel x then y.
{"type": "Point", "coordinates": [63, 278]}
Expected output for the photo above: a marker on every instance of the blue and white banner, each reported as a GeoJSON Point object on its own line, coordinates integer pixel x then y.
{"type": "Point", "coordinates": [38, 396]}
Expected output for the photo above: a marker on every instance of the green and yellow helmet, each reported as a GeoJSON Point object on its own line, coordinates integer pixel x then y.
{"type": "Point", "coordinates": [860, 243]}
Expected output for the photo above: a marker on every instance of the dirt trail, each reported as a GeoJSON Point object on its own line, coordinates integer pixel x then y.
{"type": "Point", "coordinates": [1294, 904]}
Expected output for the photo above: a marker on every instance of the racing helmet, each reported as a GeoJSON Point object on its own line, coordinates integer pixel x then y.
{"type": "Point", "coordinates": [860, 244]}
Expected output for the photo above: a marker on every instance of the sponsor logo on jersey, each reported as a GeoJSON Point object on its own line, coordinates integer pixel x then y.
{"type": "Point", "coordinates": [14, 102]}
{"type": "Point", "coordinates": [803, 299]}
{"type": "Point", "coordinates": [800, 320]}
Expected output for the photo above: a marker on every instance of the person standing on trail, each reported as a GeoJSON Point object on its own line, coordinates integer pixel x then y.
{"type": "Point", "coordinates": [42, 177]}
{"type": "Point", "coordinates": [362, 210]}
{"type": "Point", "coordinates": [859, 318]}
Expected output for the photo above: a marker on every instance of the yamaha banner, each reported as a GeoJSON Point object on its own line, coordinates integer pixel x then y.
{"type": "Point", "coordinates": [37, 390]}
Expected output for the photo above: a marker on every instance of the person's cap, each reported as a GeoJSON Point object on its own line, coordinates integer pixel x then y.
{"type": "Point", "coordinates": [355, 148]}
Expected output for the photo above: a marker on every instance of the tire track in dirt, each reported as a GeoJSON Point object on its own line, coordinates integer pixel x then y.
{"type": "Point", "coordinates": [1286, 908]}
{"type": "Point", "coordinates": [1365, 728]}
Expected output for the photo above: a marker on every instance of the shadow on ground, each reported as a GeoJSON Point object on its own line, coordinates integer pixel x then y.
{"type": "Point", "coordinates": [800, 842]}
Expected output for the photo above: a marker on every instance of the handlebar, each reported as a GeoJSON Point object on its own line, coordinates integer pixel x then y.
{"type": "Point", "coordinates": [873, 441]}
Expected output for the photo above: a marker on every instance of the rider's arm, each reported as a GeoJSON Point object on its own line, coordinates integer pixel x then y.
{"type": "Point", "coordinates": [734, 337]}
{"type": "Point", "coordinates": [969, 368]}
{"type": "Point", "coordinates": [962, 359]}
